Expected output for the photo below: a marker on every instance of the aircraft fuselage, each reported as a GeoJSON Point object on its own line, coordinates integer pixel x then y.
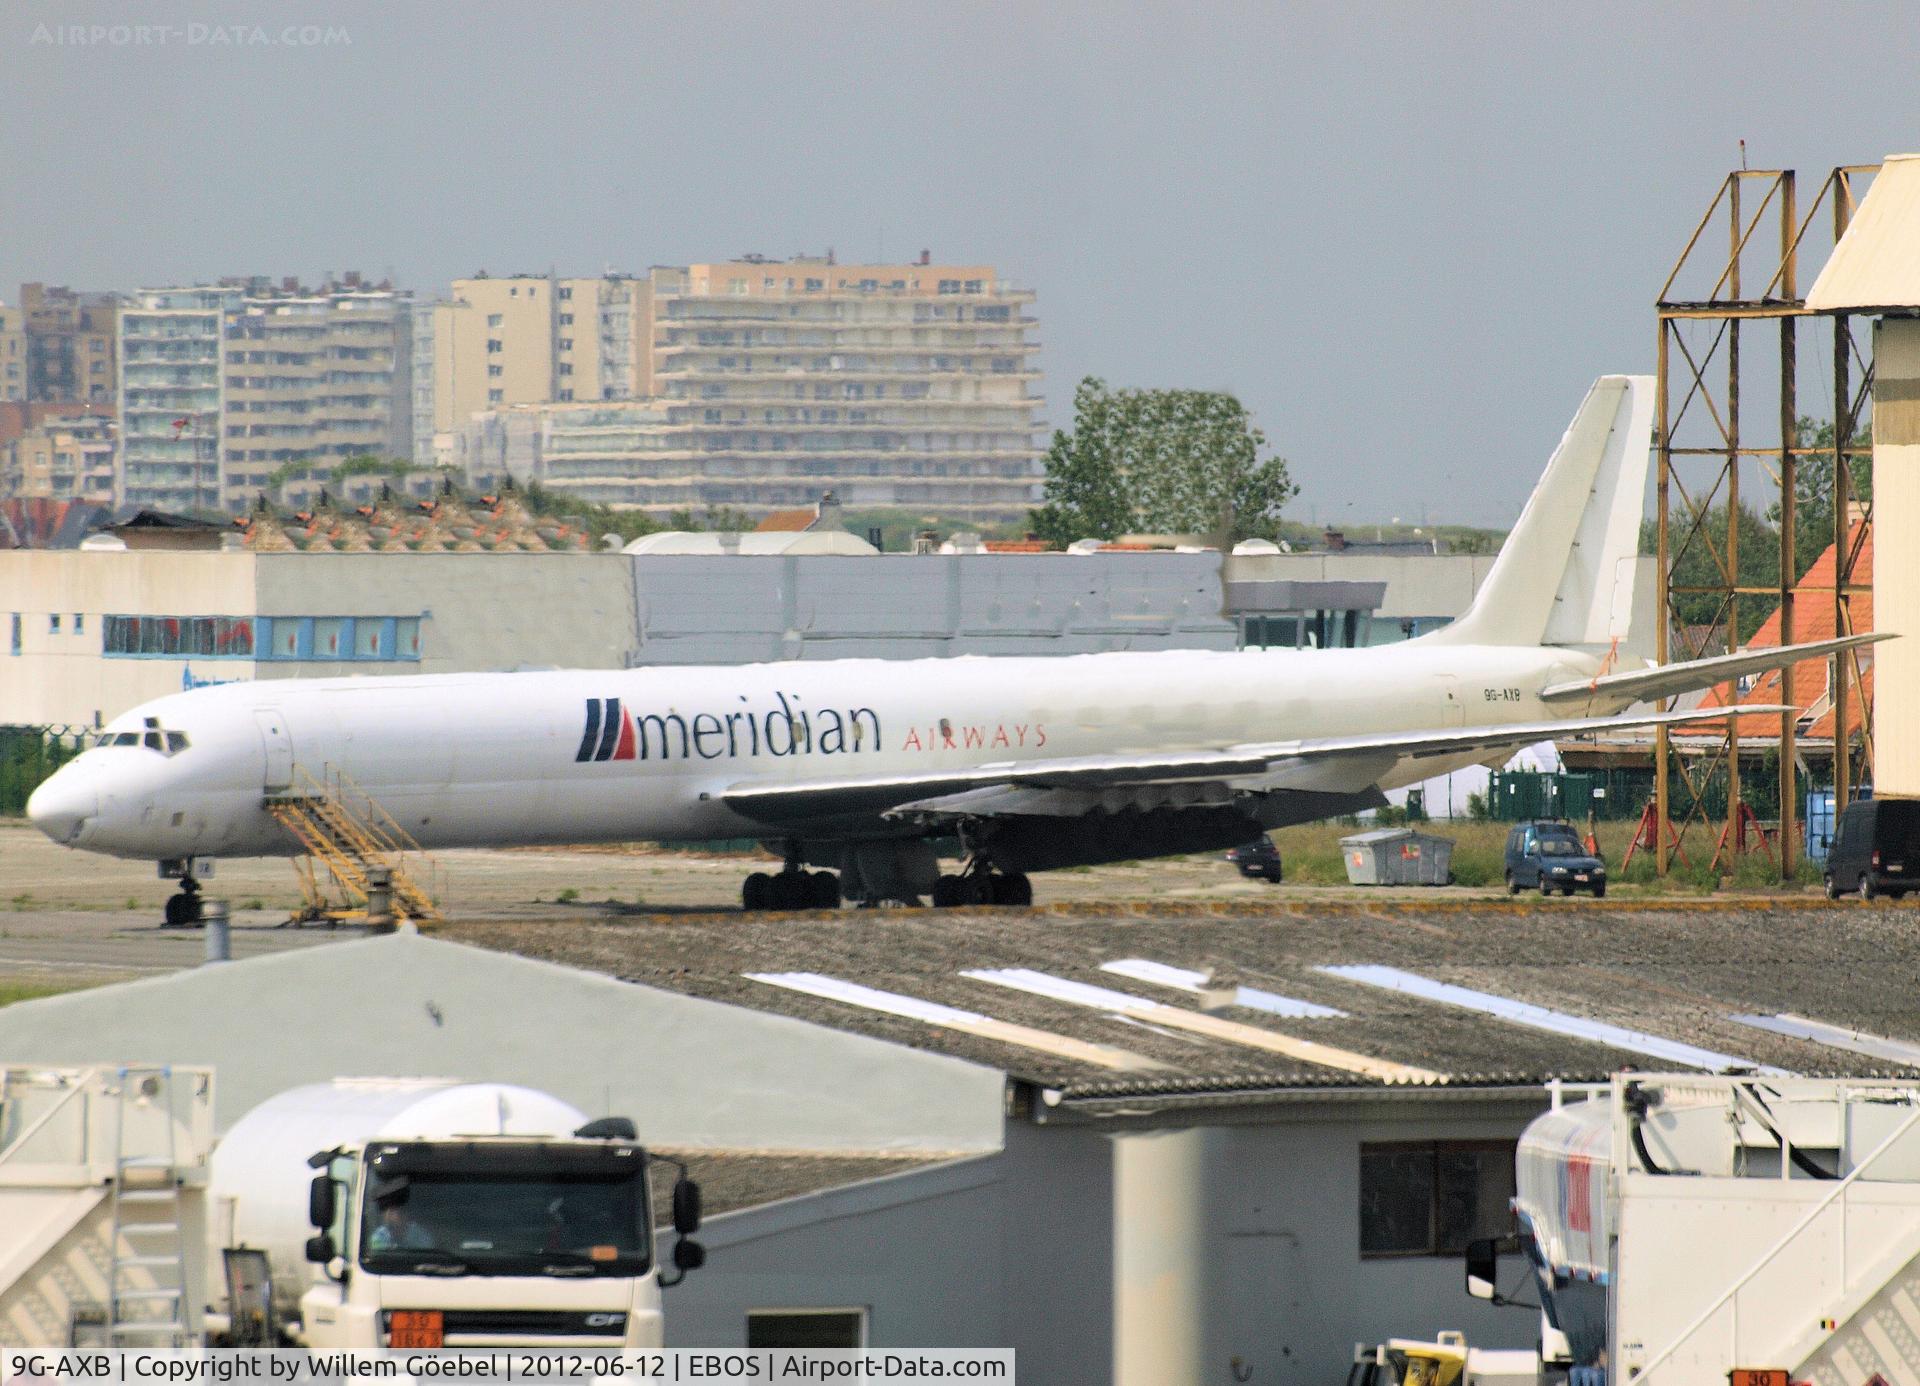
{"type": "Point", "coordinates": [579, 756]}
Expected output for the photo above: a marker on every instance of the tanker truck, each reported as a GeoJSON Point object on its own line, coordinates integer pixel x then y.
{"type": "Point", "coordinates": [415, 1213]}
{"type": "Point", "coordinates": [1758, 1228]}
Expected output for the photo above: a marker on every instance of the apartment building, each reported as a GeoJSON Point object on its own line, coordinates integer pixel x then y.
{"type": "Point", "coordinates": [897, 385]}
{"type": "Point", "coordinates": [171, 390]}
{"type": "Point", "coordinates": [526, 339]}
{"type": "Point", "coordinates": [313, 377]}
{"type": "Point", "coordinates": [231, 389]}
{"type": "Point", "coordinates": [61, 458]}
{"type": "Point", "coordinates": [71, 339]}
{"type": "Point", "coordinates": [13, 354]}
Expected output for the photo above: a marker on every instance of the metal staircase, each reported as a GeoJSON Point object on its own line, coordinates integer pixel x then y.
{"type": "Point", "coordinates": [147, 1274]}
{"type": "Point", "coordinates": [1837, 1295]}
{"type": "Point", "coordinates": [356, 852]}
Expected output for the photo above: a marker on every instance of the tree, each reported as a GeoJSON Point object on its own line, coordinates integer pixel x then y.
{"type": "Point", "coordinates": [1696, 558]}
{"type": "Point", "coordinates": [1813, 491]}
{"type": "Point", "coordinates": [1162, 462]}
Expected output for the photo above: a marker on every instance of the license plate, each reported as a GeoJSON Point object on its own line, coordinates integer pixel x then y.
{"type": "Point", "coordinates": [1579, 875]}
{"type": "Point", "coordinates": [416, 1328]}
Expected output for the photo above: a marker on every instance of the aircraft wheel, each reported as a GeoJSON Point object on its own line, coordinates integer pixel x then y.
{"type": "Point", "coordinates": [1012, 889]}
{"type": "Point", "coordinates": [183, 910]}
{"type": "Point", "coordinates": [949, 891]}
{"type": "Point", "coordinates": [823, 890]}
{"type": "Point", "coordinates": [756, 893]}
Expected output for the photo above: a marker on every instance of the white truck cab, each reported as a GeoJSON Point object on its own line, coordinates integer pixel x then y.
{"type": "Point", "coordinates": [444, 1214]}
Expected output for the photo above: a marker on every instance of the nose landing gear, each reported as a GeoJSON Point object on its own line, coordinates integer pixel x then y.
{"type": "Point", "coordinates": [183, 908]}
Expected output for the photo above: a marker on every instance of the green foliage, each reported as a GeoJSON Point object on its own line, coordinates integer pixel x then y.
{"type": "Point", "coordinates": [11, 992]}
{"type": "Point", "coordinates": [1813, 491]}
{"type": "Point", "coordinates": [27, 756]}
{"type": "Point", "coordinates": [1698, 559]}
{"type": "Point", "coordinates": [594, 520]}
{"type": "Point", "coordinates": [1160, 462]}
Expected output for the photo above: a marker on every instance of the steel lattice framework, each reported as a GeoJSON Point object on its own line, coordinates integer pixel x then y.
{"type": "Point", "coordinates": [1701, 441]}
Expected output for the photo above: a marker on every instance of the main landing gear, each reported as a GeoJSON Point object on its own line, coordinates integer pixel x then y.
{"type": "Point", "coordinates": [980, 884]}
{"type": "Point", "coordinates": [793, 887]}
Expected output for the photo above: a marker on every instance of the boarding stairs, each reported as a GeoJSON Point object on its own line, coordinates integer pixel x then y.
{"type": "Point", "coordinates": [103, 1177]}
{"type": "Point", "coordinates": [355, 852]}
{"type": "Point", "coordinates": [1834, 1300]}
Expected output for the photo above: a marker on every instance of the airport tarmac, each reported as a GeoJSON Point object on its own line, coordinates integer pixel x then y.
{"type": "Point", "coordinates": [74, 919]}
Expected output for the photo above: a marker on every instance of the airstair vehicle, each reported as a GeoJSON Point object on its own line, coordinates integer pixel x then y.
{"type": "Point", "coordinates": [360, 862]}
{"type": "Point", "coordinates": [103, 1177]}
{"type": "Point", "coordinates": [1759, 1228]}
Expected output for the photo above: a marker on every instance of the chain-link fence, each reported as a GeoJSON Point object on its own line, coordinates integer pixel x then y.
{"type": "Point", "coordinates": [28, 754]}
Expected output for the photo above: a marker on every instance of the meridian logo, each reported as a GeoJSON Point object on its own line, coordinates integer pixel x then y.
{"type": "Point", "coordinates": [609, 734]}
{"type": "Point", "coordinates": [614, 733]}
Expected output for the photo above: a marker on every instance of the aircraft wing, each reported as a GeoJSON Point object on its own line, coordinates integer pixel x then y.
{"type": "Point", "coordinates": [1069, 785]}
{"type": "Point", "coordinates": [1643, 685]}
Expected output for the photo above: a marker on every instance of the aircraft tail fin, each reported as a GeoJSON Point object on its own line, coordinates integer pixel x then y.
{"type": "Point", "coordinates": [1565, 575]}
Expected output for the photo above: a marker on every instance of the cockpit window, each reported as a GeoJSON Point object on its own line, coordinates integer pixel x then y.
{"type": "Point", "coordinates": [154, 738]}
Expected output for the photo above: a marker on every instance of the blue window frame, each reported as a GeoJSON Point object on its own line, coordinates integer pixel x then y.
{"type": "Point", "coordinates": [330, 639]}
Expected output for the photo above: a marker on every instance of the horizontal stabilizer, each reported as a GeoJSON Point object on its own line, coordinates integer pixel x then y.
{"type": "Point", "coordinates": [1644, 685]}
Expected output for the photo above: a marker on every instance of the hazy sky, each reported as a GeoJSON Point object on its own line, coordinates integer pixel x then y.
{"type": "Point", "coordinates": [1407, 235]}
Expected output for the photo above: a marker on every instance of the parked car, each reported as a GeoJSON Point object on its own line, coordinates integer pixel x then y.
{"type": "Point", "coordinates": [1876, 849]}
{"type": "Point", "coordinates": [1547, 855]}
{"type": "Point", "coordinates": [1258, 860]}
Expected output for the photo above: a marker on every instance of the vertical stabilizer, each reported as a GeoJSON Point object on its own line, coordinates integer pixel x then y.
{"type": "Point", "coordinates": [1565, 576]}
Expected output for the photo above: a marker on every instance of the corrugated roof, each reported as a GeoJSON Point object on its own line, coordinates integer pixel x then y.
{"type": "Point", "coordinates": [1681, 971]}
{"type": "Point", "coordinates": [1877, 263]}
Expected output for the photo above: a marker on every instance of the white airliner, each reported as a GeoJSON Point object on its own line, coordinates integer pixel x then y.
{"type": "Point", "coordinates": [864, 766]}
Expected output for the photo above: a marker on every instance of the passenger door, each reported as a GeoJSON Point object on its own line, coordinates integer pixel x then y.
{"type": "Point", "coordinates": [279, 749]}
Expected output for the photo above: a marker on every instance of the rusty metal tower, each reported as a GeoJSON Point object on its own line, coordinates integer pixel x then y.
{"type": "Point", "coordinates": [1737, 284]}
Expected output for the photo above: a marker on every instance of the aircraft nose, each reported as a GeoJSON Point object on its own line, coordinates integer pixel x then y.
{"type": "Point", "coordinates": [64, 806]}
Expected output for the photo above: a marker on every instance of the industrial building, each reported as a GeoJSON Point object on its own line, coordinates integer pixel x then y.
{"type": "Point", "coordinates": [91, 632]}
{"type": "Point", "coordinates": [1150, 1151]}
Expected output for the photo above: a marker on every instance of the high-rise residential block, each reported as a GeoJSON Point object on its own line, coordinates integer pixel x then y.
{"type": "Point", "coordinates": [170, 396]}
{"type": "Point", "coordinates": [71, 341]}
{"type": "Point", "coordinates": [313, 378]}
{"type": "Point", "coordinates": [13, 354]}
{"type": "Point", "coordinates": [897, 385]}
{"type": "Point", "coordinates": [228, 390]}
{"type": "Point", "coordinates": [527, 339]}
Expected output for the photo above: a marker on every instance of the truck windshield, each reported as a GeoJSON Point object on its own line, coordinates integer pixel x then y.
{"type": "Point", "coordinates": [491, 1222]}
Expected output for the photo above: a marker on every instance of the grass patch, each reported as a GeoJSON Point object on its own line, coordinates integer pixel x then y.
{"type": "Point", "coordinates": [567, 896]}
{"type": "Point", "coordinates": [11, 992]}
